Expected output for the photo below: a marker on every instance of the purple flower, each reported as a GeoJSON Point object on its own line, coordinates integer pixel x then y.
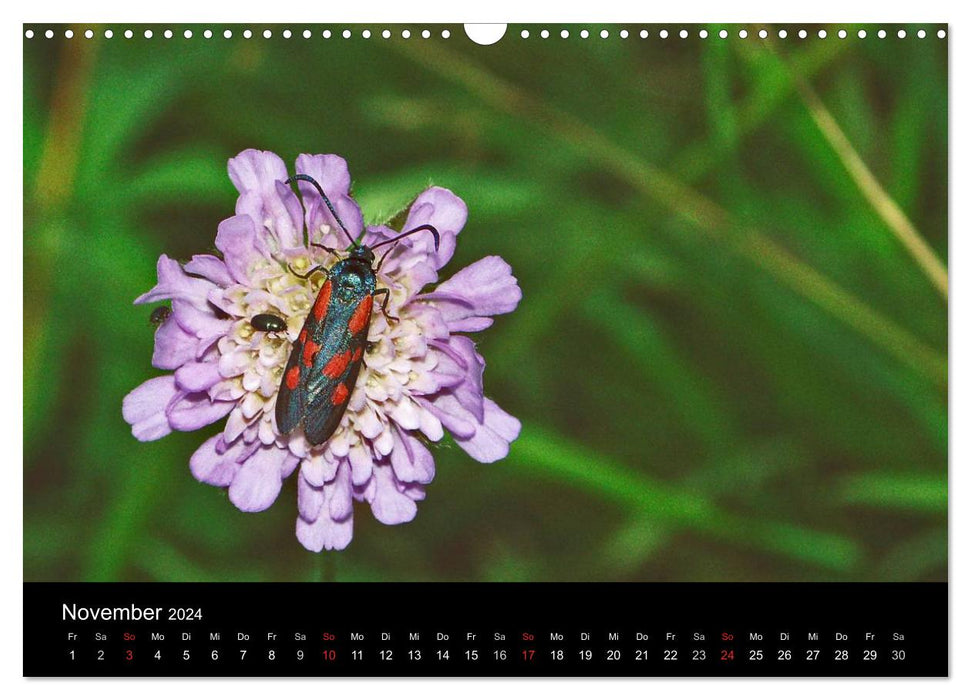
{"type": "Point", "coordinates": [420, 377]}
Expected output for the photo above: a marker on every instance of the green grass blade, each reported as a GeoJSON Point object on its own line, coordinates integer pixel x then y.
{"type": "Point", "coordinates": [542, 454]}
{"type": "Point", "coordinates": [914, 491]}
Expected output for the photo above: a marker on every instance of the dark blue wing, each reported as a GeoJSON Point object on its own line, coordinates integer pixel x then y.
{"type": "Point", "coordinates": [326, 357]}
{"type": "Point", "coordinates": [291, 399]}
{"type": "Point", "coordinates": [335, 371]}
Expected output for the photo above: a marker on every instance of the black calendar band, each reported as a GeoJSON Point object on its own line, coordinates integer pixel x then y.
{"type": "Point", "coordinates": [476, 629]}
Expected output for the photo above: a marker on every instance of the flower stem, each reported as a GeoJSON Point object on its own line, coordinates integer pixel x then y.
{"type": "Point", "coordinates": [330, 567]}
{"type": "Point", "coordinates": [324, 568]}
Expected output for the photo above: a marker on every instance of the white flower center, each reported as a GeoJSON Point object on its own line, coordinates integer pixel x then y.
{"type": "Point", "coordinates": [252, 361]}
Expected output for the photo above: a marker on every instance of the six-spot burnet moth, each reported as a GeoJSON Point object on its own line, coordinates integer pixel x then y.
{"type": "Point", "coordinates": [327, 355]}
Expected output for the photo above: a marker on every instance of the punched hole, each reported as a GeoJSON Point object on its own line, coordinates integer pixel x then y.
{"type": "Point", "coordinates": [485, 34]}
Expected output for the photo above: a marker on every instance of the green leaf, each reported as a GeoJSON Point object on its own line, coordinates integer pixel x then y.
{"type": "Point", "coordinates": [651, 350]}
{"type": "Point", "coordinates": [632, 546]}
{"type": "Point", "coordinates": [183, 176]}
{"type": "Point", "coordinates": [917, 491]}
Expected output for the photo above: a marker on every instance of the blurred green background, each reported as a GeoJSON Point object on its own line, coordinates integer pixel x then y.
{"type": "Point", "coordinates": [727, 364]}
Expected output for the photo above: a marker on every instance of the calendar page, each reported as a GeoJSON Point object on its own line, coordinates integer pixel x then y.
{"type": "Point", "coordinates": [519, 350]}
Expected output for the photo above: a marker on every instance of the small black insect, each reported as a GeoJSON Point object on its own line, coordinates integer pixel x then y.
{"type": "Point", "coordinates": [159, 315]}
{"type": "Point", "coordinates": [268, 323]}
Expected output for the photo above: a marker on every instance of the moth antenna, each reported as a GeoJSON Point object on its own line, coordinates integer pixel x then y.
{"type": "Point", "coordinates": [307, 178]}
{"type": "Point", "coordinates": [417, 229]}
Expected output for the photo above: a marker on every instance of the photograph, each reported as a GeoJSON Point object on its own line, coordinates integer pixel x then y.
{"type": "Point", "coordinates": [377, 303]}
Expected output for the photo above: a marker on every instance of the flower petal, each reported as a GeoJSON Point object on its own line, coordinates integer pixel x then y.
{"type": "Point", "coordinates": [253, 170]}
{"type": "Point", "coordinates": [447, 213]}
{"type": "Point", "coordinates": [325, 533]}
{"type": "Point", "coordinates": [319, 468]}
{"type": "Point", "coordinates": [431, 426]}
{"type": "Point", "coordinates": [460, 357]}
{"type": "Point", "coordinates": [197, 376]}
{"type": "Point", "coordinates": [144, 408]}
{"type": "Point", "coordinates": [210, 267]}
{"type": "Point", "coordinates": [236, 240]}
{"type": "Point", "coordinates": [491, 440]}
{"type": "Point", "coordinates": [331, 174]}
{"type": "Point", "coordinates": [211, 467]}
{"type": "Point", "coordinates": [456, 419]}
{"type": "Point", "coordinates": [484, 288]}
{"type": "Point", "coordinates": [408, 266]}
{"type": "Point", "coordinates": [174, 283]}
{"type": "Point", "coordinates": [310, 498]}
{"type": "Point", "coordinates": [196, 410]}
{"type": "Point", "coordinates": [487, 441]}
{"type": "Point", "coordinates": [258, 481]}
{"type": "Point", "coordinates": [236, 425]}
{"type": "Point", "coordinates": [174, 346]}
{"type": "Point", "coordinates": [388, 504]}
{"type": "Point", "coordinates": [203, 323]}
{"type": "Point", "coordinates": [406, 414]}
{"type": "Point", "coordinates": [340, 504]}
{"type": "Point", "coordinates": [259, 176]}
{"type": "Point", "coordinates": [361, 464]}
{"type": "Point", "coordinates": [289, 465]}
{"type": "Point", "coordinates": [411, 460]}
{"type": "Point", "coordinates": [332, 526]}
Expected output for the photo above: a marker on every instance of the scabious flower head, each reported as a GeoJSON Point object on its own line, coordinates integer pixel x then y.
{"type": "Point", "coordinates": [421, 375]}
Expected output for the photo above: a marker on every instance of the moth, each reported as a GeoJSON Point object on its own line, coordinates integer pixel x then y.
{"type": "Point", "coordinates": [326, 358]}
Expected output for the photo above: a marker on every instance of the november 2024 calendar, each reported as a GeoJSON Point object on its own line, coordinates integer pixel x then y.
{"type": "Point", "coordinates": [526, 350]}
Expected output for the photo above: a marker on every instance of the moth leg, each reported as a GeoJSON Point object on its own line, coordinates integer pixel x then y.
{"type": "Point", "coordinates": [306, 276]}
{"type": "Point", "coordinates": [384, 304]}
{"type": "Point", "coordinates": [332, 251]}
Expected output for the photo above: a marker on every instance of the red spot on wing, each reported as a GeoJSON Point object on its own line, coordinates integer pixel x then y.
{"type": "Point", "coordinates": [310, 350]}
{"type": "Point", "coordinates": [340, 395]}
{"type": "Point", "coordinates": [323, 301]}
{"type": "Point", "coordinates": [303, 336]}
{"type": "Point", "coordinates": [362, 314]}
{"type": "Point", "coordinates": [357, 354]}
{"type": "Point", "coordinates": [337, 364]}
{"type": "Point", "coordinates": [293, 377]}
